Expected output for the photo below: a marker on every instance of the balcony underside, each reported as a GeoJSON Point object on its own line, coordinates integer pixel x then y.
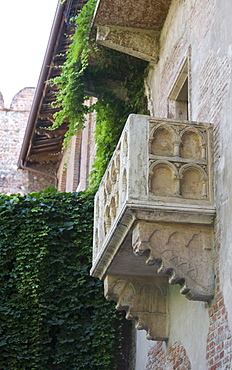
{"type": "Point", "coordinates": [131, 13]}
{"type": "Point", "coordinates": [127, 26]}
{"type": "Point", "coordinates": [173, 242]}
{"type": "Point", "coordinates": [154, 219]}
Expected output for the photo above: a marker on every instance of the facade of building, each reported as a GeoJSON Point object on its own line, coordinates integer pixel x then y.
{"type": "Point", "coordinates": [162, 216]}
{"type": "Point", "coordinates": [189, 81]}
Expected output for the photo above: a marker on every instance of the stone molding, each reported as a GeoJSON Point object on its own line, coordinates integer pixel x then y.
{"type": "Point", "coordinates": [142, 44]}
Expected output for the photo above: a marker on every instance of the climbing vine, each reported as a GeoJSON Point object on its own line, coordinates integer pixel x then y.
{"type": "Point", "coordinates": [116, 79]}
{"type": "Point", "coordinates": [52, 313]}
{"type": "Point", "coordinates": [71, 97]}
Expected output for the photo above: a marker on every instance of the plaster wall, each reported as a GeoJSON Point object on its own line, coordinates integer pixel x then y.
{"type": "Point", "coordinates": [142, 348]}
{"type": "Point", "coordinates": [190, 325]}
{"type": "Point", "coordinates": [201, 31]}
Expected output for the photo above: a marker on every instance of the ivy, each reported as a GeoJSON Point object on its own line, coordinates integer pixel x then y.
{"type": "Point", "coordinates": [116, 79]}
{"type": "Point", "coordinates": [52, 313]}
{"type": "Point", "coordinates": [70, 100]}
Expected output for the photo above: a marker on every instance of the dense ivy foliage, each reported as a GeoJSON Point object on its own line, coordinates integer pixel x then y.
{"type": "Point", "coordinates": [52, 313]}
{"type": "Point", "coordinates": [116, 79]}
{"type": "Point", "coordinates": [71, 83]}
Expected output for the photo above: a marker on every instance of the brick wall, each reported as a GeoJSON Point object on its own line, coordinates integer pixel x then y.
{"type": "Point", "coordinates": [199, 29]}
{"type": "Point", "coordinates": [77, 161]}
{"type": "Point", "coordinates": [13, 122]}
{"type": "Point", "coordinates": [219, 340]}
{"type": "Point", "coordinates": [174, 358]}
{"type": "Point", "coordinates": [12, 126]}
{"type": "Point", "coordinates": [218, 344]}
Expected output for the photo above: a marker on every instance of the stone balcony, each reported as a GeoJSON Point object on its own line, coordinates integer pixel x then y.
{"type": "Point", "coordinates": [154, 214]}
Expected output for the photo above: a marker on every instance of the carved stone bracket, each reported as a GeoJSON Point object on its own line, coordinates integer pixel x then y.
{"type": "Point", "coordinates": [144, 299]}
{"type": "Point", "coordinates": [143, 44]}
{"type": "Point", "coordinates": [181, 251]}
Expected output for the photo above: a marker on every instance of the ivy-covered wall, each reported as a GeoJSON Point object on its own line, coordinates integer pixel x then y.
{"type": "Point", "coordinates": [52, 313]}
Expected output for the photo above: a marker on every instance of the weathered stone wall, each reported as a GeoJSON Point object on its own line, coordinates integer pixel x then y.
{"type": "Point", "coordinates": [201, 31]}
{"type": "Point", "coordinates": [13, 122]}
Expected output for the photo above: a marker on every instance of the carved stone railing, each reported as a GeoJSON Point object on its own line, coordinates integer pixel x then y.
{"type": "Point", "coordinates": [156, 200]}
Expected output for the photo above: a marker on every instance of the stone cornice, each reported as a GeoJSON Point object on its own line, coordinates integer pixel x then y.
{"type": "Point", "coordinates": [142, 44]}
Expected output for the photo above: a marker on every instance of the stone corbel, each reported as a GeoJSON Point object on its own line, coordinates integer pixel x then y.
{"type": "Point", "coordinates": [159, 204]}
{"type": "Point", "coordinates": [144, 299]}
{"type": "Point", "coordinates": [180, 251]}
{"type": "Point", "coordinates": [142, 44]}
